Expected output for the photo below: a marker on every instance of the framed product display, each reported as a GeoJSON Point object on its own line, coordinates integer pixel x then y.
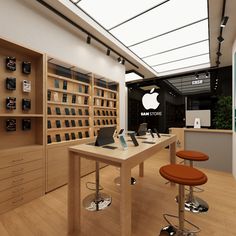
{"type": "Point", "coordinates": [11, 63]}
{"type": "Point", "coordinates": [11, 125]}
{"type": "Point", "coordinates": [11, 83]}
{"type": "Point", "coordinates": [26, 124]}
{"type": "Point", "coordinates": [26, 86]}
{"type": "Point", "coordinates": [26, 67]}
{"type": "Point", "coordinates": [10, 103]}
{"type": "Point", "coordinates": [26, 104]}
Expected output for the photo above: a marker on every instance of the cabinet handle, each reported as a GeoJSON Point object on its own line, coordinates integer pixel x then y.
{"type": "Point", "coordinates": [17, 180]}
{"type": "Point", "coordinates": [21, 159]}
{"type": "Point", "coordinates": [18, 200]}
{"type": "Point", "coordinates": [17, 190]}
{"type": "Point", "coordinates": [16, 171]}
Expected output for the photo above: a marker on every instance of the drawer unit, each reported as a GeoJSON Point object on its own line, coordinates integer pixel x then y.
{"type": "Point", "coordinates": [19, 200]}
{"type": "Point", "coordinates": [20, 169]}
{"type": "Point", "coordinates": [19, 158]}
{"type": "Point", "coordinates": [20, 190]}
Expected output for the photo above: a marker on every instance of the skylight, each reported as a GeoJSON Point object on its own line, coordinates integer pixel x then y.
{"type": "Point", "coordinates": [168, 35]}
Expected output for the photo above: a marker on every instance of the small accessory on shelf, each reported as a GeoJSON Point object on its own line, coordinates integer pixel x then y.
{"type": "Point", "coordinates": [49, 111]}
{"type": "Point", "coordinates": [26, 86]}
{"type": "Point", "coordinates": [80, 135]}
{"type": "Point", "coordinates": [58, 123]}
{"type": "Point", "coordinates": [56, 83]}
{"type": "Point", "coordinates": [49, 95]}
{"type": "Point", "coordinates": [11, 63]}
{"type": "Point", "coordinates": [49, 139]}
{"type": "Point", "coordinates": [26, 104]}
{"type": "Point", "coordinates": [73, 111]}
{"type": "Point", "coordinates": [64, 84]}
{"type": "Point", "coordinates": [49, 124]}
{"type": "Point", "coordinates": [11, 83]}
{"type": "Point", "coordinates": [73, 98]}
{"type": "Point", "coordinates": [58, 111]}
{"type": "Point", "coordinates": [10, 103]}
{"type": "Point", "coordinates": [67, 111]}
{"type": "Point", "coordinates": [58, 138]}
{"type": "Point", "coordinates": [11, 125]}
{"type": "Point", "coordinates": [26, 67]}
{"type": "Point", "coordinates": [64, 97]}
{"type": "Point", "coordinates": [73, 123]}
{"type": "Point", "coordinates": [26, 124]}
{"type": "Point", "coordinates": [86, 134]}
{"type": "Point", "coordinates": [67, 136]}
{"type": "Point", "coordinates": [73, 136]}
{"type": "Point", "coordinates": [67, 123]}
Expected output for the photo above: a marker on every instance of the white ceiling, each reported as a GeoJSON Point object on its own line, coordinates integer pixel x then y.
{"type": "Point", "coordinates": [190, 43]}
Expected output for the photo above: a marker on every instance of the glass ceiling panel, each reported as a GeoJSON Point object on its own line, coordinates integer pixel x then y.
{"type": "Point", "coordinates": [183, 64]}
{"type": "Point", "coordinates": [167, 17]}
{"type": "Point", "coordinates": [195, 49]}
{"type": "Point", "coordinates": [111, 13]}
{"type": "Point", "coordinates": [185, 36]}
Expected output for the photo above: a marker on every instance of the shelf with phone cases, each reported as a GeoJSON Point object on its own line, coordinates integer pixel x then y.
{"type": "Point", "coordinates": [22, 123]}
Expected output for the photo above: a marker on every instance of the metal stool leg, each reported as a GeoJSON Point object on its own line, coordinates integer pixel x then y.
{"type": "Point", "coordinates": [98, 201]}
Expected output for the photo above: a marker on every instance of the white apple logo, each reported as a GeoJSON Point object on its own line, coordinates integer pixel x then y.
{"type": "Point", "coordinates": [149, 100]}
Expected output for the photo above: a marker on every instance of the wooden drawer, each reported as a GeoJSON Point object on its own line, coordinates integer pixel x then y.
{"type": "Point", "coordinates": [20, 190]}
{"type": "Point", "coordinates": [20, 179]}
{"type": "Point", "coordinates": [20, 169]}
{"type": "Point", "coordinates": [19, 200]}
{"type": "Point", "coordinates": [19, 158]}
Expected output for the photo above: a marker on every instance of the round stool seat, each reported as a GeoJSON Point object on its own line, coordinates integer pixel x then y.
{"type": "Point", "coordinates": [192, 155]}
{"type": "Point", "coordinates": [183, 175]}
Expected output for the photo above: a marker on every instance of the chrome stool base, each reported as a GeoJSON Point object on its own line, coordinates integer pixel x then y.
{"type": "Point", "coordinates": [196, 205]}
{"type": "Point", "coordinates": [91, 203]}
{"type": "Point", "coordinates": [168, 231]}
{"type": "Point", "coordinates": [133, 181]}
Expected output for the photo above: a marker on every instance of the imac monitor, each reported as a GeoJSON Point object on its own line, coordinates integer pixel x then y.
{"type": "Point", "coordinates": [142, 129]}
{"type": "Point", "coordinates": [204, 116]}
{"type": "Point", "coordinates": [105, 136]}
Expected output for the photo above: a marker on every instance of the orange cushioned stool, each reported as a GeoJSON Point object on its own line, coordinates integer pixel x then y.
{"type": "Point", "coordinates": [193, 203]}
{"type": "Point", "coordinates": [182, 175]}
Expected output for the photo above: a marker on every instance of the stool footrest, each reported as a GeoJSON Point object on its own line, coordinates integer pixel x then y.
{"type": "Point", "coordinates": [195, 229]}
{"type": "Point", "coordinates": [93, 184]}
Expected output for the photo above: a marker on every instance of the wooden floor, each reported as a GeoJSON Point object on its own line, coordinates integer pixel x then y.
{"type": "Point", "coordinates": [46, 216]}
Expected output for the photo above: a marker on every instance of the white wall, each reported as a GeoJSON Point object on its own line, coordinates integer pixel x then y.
{"type": "Point", "coordinates": [234, 95]}
{"type": "Point", "coordinates": [25, 24]}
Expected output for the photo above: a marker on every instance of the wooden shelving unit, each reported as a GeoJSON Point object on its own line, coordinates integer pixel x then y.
{"type": "Point", "coordinates": [22, 136]}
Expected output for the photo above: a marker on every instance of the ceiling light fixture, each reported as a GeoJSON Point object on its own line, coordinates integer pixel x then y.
{"type": "Point", "coordinates": [108, 52]}
{"type": "Point", "coordinates": [220, 39]}
{"type": "Point", "coordinates": [88, 39]}
{"type": "Point", "coordinates": [224, 21]}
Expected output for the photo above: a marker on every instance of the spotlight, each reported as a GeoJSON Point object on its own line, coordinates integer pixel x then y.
{"type": "Point", "coordinates": [108, 52]}
{"type": "Point", "coordinates": [219, 54]}
{"type": "Point", "coordinates": [220, 39]}
{"type": "Point", "coordinates": [119, 59]}
{"type": "Point", "coordinates": [123, 61]}
{"type": "Point", "coordinates": [224, 21]}
{"type": "Point", "coordinates": [88, 39]}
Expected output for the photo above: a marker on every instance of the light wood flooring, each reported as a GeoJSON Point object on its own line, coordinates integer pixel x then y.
{"type": "Point", "coordinates": [151, 197]}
